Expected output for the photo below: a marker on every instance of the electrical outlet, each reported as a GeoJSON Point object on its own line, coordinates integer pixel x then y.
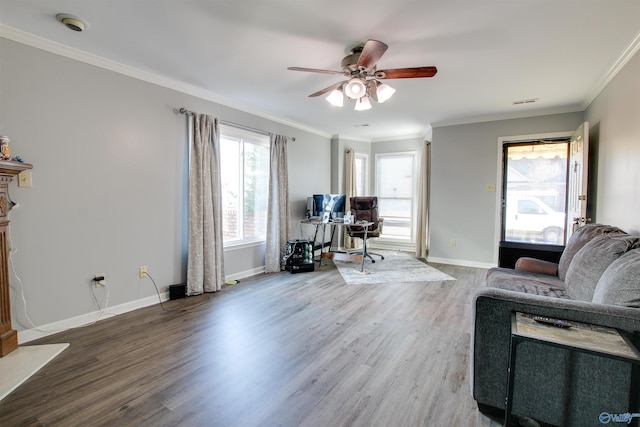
{"type": "Point", "coordinates": [24, 179]}
{"type": "Point", "coordinates": [143, 271]}
{"type": "Point", "coordinates": [452, 242]}
{"type": "Point", "coordinates": [99, 280]}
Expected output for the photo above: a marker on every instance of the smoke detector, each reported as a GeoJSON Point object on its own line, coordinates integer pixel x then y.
{"type": "Point", "coordinates": [71, 22]}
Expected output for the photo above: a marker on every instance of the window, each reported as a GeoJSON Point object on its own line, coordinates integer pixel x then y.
{"type": "Point", "coordinates": [362, 172]}
{"type": "Point", "coordinates": [244, 168]}
{"type": "Point", "coordinates": [395, 190]}
{"type": "Point", "coordinates": [535, 191]}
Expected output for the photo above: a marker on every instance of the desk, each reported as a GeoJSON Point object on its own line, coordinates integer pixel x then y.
{"type": "Point", "coordinates": [341, 256]}
{"type": "Point", "coordinates": [599, 340]}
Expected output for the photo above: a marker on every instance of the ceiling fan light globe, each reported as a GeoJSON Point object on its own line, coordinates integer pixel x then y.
{"type": "Point", "coordinates": [384, 92]}
{"type": "Point", "coordinates": [362, 104]}
{"type": "Point", "coordinates": [336, 98]}
{"type": "Point", "coordinates": [355, 88]}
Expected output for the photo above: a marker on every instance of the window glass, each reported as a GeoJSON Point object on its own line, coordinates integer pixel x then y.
{"type": "Point", "coordinates": [535, 192]}
{"type": "Point", "coordinates": [395, 185]}
{"type": "Point", "coordinates": [361, 174]}
{"type": "Point", "coordinates": [245, 184]}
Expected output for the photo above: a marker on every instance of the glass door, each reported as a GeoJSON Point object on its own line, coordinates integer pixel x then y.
{"type": "Point", "coordinates": [535, 192]}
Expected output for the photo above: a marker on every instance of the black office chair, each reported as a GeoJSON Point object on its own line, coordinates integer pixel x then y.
{"type": "Point", "coordinates": [365, 209]}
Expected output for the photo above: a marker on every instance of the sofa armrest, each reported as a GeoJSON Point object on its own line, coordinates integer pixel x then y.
{"type": "Point", "coordinates": [489, 355]}
{"type": "Point", "coordinates": [534, 265]}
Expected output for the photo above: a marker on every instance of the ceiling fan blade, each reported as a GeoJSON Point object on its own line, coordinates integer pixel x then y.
{"type": "Point", "coordinates": [315, 70]}
{"type": "Point", "coordinates": [326, 89]}
{"type": "Point", "coordinates": [406, 73]}
{"type": "Point", "coordinates": [371, 54]}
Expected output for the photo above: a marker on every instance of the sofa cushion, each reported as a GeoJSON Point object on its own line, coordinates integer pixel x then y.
{"type": "Point", "coordinates": [578, 239]}
{"type": "Point", "coordinates": [592, 260]}
{"type": "Point", "coordinates": [526, 282]}
{"type": "Point", "coordinates": [620, 282]}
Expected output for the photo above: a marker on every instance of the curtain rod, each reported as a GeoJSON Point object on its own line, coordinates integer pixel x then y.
{"type": "Point", "coordinates": [191, 113]}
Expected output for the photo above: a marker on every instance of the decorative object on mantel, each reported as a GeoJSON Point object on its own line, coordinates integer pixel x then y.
{"type": "Point", "coordinates": [5, 148]}
{"type": "Point", "coordinates": [8, 336]}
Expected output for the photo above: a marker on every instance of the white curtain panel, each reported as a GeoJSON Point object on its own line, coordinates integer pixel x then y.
{"type": "Point", "coordinates": [278, 207]}
{"type": "Point", "coordinates": [205, 260]}
{"type": "Point", "coordinates": [349, 188]}
{"type": "Point", "coordinates": [422, 229]}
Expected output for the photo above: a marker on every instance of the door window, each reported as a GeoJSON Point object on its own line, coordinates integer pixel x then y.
{"type": "Point", "coordinates": [535, 192]}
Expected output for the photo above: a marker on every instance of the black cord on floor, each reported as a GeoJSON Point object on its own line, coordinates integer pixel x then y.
{"type": "Point", "coordinates": [180, 309]}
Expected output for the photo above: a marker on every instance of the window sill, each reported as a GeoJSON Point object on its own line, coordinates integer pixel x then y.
{"type": "Point", "coordinates": [243, 245]}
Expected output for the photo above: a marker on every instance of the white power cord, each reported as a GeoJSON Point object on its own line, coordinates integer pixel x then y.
{"type": "Point", "coordinates": [13, 251]}
{"type": "Point", "coordinates": [20, 292]}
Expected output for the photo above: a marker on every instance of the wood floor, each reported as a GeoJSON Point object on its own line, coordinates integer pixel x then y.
{"type": "Point", "coordinates": [275, 350]}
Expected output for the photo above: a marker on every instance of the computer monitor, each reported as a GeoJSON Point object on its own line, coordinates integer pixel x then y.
{"type": "Point", "coordinates": [333, 203]}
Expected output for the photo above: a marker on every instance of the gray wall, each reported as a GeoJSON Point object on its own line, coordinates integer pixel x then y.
{"type": "Point", "coordinates": [614, 119]}
{"type": "Point", "coordinates": [109, 179]}
{"type": "Point", "coordinates": [464, 159]}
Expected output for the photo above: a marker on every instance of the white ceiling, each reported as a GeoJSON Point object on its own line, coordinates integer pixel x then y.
{"type": "Point", "coordinates": [489, 53]}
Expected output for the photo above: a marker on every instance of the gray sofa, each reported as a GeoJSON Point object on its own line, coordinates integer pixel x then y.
{"type": "Point", "coordinates": [597, 281]}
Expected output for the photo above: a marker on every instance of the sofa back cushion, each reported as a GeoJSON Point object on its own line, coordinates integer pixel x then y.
{"type": "Point", "coordinates": [578, 239]}
{"type": "Point", "coordinates": [620, 282]}
{"type": "Point", "coordinates": [592, 260]}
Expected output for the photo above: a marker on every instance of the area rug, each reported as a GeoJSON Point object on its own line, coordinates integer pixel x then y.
{"type": "Point", "coordinates": [397, 267]}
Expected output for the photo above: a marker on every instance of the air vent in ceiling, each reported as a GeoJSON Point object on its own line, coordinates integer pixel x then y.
{"type": "Point", "coordinates": [525, 101]}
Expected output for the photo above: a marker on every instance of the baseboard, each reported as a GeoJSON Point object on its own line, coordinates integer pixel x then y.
{"type": "Point", "coordinates": [87, 319]}
{"type": "Point", "coordinates": [245, 274]}
{"type": "Point", "coordinates": [90, 318]}
{"type": "Point", "coordinates": [460, 262]}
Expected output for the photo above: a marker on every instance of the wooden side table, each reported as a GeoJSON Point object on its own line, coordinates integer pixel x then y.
{"type": "Point", "coordinates": [8, 336]}
{"type": "Point", "coordinates": [593, 339]}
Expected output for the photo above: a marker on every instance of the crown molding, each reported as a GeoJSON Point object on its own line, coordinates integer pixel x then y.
{"type": "Point", "coordinates": [136, 73]}
{"type": "Point", "coordinates": [420, 136]}
{"type": "Point", "coordinates": [507, 116]}
{"type": "Point", "coordinates": [340, 136]}
{"type": "Point", "coordinates": [606, 78]}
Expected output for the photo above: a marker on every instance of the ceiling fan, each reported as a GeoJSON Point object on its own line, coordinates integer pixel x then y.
{"type": "Point", "coordinates": [363, 78]}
